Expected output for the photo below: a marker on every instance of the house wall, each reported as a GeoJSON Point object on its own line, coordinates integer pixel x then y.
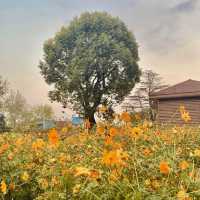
{"type": "Point", "coordinates": [169, 110]}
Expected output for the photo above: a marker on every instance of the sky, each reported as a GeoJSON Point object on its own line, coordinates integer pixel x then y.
{"type": "Point", "coordinates": [168, 34]}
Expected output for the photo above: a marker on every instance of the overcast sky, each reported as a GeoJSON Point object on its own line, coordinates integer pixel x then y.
{"type": "Point", "coordinates": [168, 34]}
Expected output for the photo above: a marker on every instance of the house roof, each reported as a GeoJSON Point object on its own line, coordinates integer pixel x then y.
{"type": "Point", "coordinates": [189, 88]}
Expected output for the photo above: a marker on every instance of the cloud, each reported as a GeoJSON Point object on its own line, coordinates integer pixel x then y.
{"type": "Point", "coordinates": [186, 6]}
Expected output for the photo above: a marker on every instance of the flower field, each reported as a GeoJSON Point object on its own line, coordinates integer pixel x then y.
{"type": "Point", "coordinates": [128, 159]}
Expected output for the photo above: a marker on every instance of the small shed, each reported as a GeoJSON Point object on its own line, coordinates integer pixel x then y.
{"type": "Point", "coordinates": [167, 102]}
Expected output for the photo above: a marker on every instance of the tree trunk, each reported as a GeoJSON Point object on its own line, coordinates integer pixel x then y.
{"type": "Point", "coordinates": [90, 117]}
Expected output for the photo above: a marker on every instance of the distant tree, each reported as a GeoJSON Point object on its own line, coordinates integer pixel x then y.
{"type": "Point", "coordinates": [42, 112]}
{"type": "Point", "coordinates": [2, 123]}
{"type": "Point", "coordinates": [150, 82]}
{"type": "Point", "coordinates": [3, 90]}
{"type": "Point", "coordinates": [33, 116]}
{"type": "Point", "coordinates": [93, 61]}
{"type": "Point", "coordinates": [16, 108]}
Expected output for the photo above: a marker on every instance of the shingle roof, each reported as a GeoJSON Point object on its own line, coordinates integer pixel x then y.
{"type": "Point", "coordinates": [189, 88]}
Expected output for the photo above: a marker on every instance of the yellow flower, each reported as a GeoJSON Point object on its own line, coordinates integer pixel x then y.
{"type": "Point", "coordinates": [38, 144]}
{"type": "Point", "coordinates": [79, 171]}
{"type": "Point", "coordinates": [155, 184]}
{"type": "Point", "coordinates": [43, 183]}
{"type": "Point", "coordinates": [3, 187]}
{"type": "Point", "coordinates": [186, 117]}
{"type": "Point", "coordinates": [164, 168]}
{"type": "Point", "coordinates": [184, 165]}
{"type": "Point", "coordinates": [64, 129]}
{"type": "Point", "coordinates": [184, 114]}
{"type": "Point", "coordinates": [54, 181]}
{"type": "Point", "coordinates": [182, 195]}
{"type": "Point", "coordinates": [76, 188]}
{"type": "Point", "coordinates": [197, 152]}
{"type": "Point", "coordinates": [25, 176]}
{"type": "Point", "coordinates": [147, 182]}
{"type": "Point", "coordinates": [136, 132]}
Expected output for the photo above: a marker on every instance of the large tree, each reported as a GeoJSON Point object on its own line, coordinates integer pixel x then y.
{"type": "Point", "coordinates": [92, 61]}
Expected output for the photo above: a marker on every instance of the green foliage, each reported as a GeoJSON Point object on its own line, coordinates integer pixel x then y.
{"type": "Point", "coordinates": [92, 61]}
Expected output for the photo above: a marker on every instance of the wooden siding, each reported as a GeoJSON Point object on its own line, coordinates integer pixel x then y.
{"type": "Point", "coordinates": [168, 110]}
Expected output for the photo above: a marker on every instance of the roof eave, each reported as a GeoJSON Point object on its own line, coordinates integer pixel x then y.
{"type": "Point", "coordinates": [173, 96]}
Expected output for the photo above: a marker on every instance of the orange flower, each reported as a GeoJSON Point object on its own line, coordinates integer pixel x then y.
{"type": "Point", "coordinates": [19, 142]}
{"type": "Point", "coordinates": [112, 131]}
{"type": "Point", "coordinates": [184, 165]}
{"type": "Point", "coordinates": [3, 148]}
{"type": "Point", "coordinates": [146, 152]}
{"type": "Point", "coordinates": [114, 157]}
{"type": "Point", "coordinates": [94, 174]}
{"type": "Point", "coordinates": [100, 130]}
{"type": "Point", "coordinates": [3, 187]}
{"type": "Point", "coordinates": [108, 141]}
{"type": "Point", "coordinates": [125, 117]}
{"type": "Point", "coordinates": [111, 158]}
{"type": "Point", "coordinates": [12, 186]}
{"type": "Point", "coordinates": [53, 137]}
{"type": "Point", "coordinates": [157, 133]}
{"type": "Point", "coordinates": [164, 167]}
{"type": "Point", "coordinates": [10, 156]}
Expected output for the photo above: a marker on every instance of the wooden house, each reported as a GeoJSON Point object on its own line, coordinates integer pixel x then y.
{"type": "Point", "coordinates": [167, 102]}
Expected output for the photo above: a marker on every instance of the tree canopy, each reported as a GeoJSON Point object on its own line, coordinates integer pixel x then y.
{"type": "Point", "coordinates": [91, 61]}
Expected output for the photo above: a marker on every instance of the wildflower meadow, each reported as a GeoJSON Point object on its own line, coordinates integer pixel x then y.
{"type": "Point", "coordinates": [129, 158]}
